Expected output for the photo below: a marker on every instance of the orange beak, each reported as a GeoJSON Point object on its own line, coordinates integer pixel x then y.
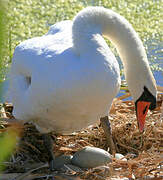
{"type": "Point", "coordinates": [141, 112]}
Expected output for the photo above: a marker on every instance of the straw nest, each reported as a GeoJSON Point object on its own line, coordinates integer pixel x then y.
{"type": "Point", "coordinates": [144, 152]}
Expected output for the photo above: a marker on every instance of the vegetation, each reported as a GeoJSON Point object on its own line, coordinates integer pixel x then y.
{"type": "Point", "coordinates": [7, 139]}
{"type": "Point", "coordinates": [7, 143]}
{"type": "Point", "coordinates": [3, 38]}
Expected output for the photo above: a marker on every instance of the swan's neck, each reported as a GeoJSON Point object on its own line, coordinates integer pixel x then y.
{"type": "Point", "coordinates": [92, 21]}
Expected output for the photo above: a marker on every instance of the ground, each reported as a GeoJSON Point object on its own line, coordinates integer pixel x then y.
{"type": "Point", "coordinates": [144, 152]}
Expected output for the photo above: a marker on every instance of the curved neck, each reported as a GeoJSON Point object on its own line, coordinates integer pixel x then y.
{"type": "Point", "coordinates": [97, 20]}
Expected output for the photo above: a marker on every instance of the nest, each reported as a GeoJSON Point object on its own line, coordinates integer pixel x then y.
{"type": "Point", "coordinates": [144, 152]}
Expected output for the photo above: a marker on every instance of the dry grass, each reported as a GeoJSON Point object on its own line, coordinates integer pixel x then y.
{"type": "Point", "coordinates": [144, 152]}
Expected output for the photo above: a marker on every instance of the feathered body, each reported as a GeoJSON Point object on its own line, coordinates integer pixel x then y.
{"type": "Point", "coordinates": [66, 80]}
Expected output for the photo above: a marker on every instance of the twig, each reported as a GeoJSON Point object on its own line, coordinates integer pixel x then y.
{"type": "Point", "coordinates": [22, 176]}
{"type": "Point", "coordinates": [159, 88]}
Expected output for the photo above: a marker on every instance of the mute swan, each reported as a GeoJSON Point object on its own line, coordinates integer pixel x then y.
{"type": "Point", "coordinates": [66, 80]}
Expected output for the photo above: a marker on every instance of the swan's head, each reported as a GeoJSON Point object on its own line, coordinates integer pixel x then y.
{"type": "Point", "coordinates": [140, 80]}
{"type": "Point", "coordinates": [145, 102]}
{"type": "Point", "coordinates": [142, 86]}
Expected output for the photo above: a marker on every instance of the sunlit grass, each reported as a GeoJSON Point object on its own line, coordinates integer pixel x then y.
{"type": "Point", "coordinates": [32, 18]}
{"type": "Point", "coordinates": [3, 39]}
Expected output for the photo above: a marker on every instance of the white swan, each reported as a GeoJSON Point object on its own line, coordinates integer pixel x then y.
{"type": "Point", "coordinates": [66, 80]}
